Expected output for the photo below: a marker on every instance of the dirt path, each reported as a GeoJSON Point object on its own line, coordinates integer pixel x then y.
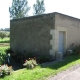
{"type": "Point", "coordinates": [4, 44]}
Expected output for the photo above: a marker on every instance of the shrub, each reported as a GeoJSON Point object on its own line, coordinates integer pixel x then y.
{"type": "Point", "coordinates": [8, 51]}
{"type": "Point", "coordinates": [7, 59]}
{"type": "Point", "coordinates": [5, 70]}
{"type": "Point", "coordinates": [2, 34]}
{"type": "Point", "coordinates": [31, 63]}
{"type": "Point", "coordinates": [75, 48]}
{"type": "Point", "coordinates": [18, 57]}
{"type": "Point", "coordinates": [2, 57]}
{"type": "Point", "coordinates": [41, 58]}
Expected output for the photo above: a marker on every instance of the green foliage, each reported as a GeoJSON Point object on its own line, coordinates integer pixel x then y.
{"type": "Point", "coordinates": [39, 72]}
{"type": "Point", "coordinates": [5, 40]}
{"type": "Point", "coordinates": [39, 57]}
{"type": "Point", "coordinates": [5, 70]}
{"type": "Point", "coordinates": [8, 51]}
{"type": "Point", "coordinates": [7, 34]}
{"type": "Point", "coordinates": [39, 7]}
{"type": "Point", "coordinates": [75, 48]}
{"type": "Point", "coordinates": [2, 35]}
{"type": "Point", "coordinates": [2, 49]}
{"type": "Point", "coordinates": [19, 9]}
{"type": "Point", "coordinates": [2, 57]}
{"type": "Point", "coordinates": [31, 63]}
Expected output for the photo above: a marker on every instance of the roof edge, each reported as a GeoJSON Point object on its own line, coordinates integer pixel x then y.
{"type": "Point", "coordinates": [37, 16]}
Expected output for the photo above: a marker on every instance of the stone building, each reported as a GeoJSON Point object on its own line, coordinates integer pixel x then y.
{"type": "Point", "coordinates": [44, 34]}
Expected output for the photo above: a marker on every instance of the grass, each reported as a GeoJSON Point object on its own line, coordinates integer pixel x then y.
{"type": "Point", "coordinates": [2, 49]}
{"type": "Point", "coordinates": [41, 72]}
{"type": "Point", "coordinates": [4, 44]}
{"type": "Point", "coordinates": [5, 40]}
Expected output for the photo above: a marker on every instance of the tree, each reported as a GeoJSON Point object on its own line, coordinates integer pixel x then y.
{"type": "Point", "coordinates": [39, 7]}
{"type": "Point", "coordinates": [2, 35]}
{"type": "Point", "coordinates": [19, 9]}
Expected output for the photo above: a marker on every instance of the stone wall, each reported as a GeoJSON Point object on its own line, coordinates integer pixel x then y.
{"type": "Point", "coordinates": [40, 34]}
{"type": "Point", "coordinates": [32, 34]}
{"type": "Point", "coordinates": [71, 27]}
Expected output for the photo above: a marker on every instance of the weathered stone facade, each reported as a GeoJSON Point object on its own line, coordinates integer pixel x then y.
{"type": "Point", "coordinates": [72, 26]}
{"type": "Point", "coordinates": [32, 34]}
{"type": "Point", "coordinates": [40, 34]}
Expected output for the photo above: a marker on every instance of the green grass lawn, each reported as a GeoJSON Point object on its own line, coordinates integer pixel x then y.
{"type": "Point", "coordinates": [2, 49]}
{"type": "Point", "coordinates": [41, 72]}
{"type": "Point", "coordinates": [5, 40]}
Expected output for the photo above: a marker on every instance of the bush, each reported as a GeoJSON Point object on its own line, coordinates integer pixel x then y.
{"type": "Point", "coordinates": [31, 63]}
{"type": "Point", "coordinates": [8, 51]}
{"type": "Point", "coordinates": [2, 34]}
{"type": "Point", "coordinates": [2, 57]}
{"type": "Point", "coordinates": [17, 56]}
{"type": "Point", "coordinates": [30, 55]}
{"type": "Point", "coordinates": [75, 49]}
{"type": "Point", "coordinates": [41, 58]}
{"type": "Point", "coordinates": [5, 70]}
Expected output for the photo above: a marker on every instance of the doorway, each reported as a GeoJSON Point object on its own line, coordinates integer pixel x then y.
{"type": "Point", "coordinates": [61, 41]}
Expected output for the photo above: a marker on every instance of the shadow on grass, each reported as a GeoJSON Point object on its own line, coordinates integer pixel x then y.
{"type": "Point", "coordinates": [52, 65]}
{"type": "Point", "coordinates": [58, 64]}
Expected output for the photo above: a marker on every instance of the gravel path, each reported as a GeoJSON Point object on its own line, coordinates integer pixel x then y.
{"type": "Point", "coordinates": [70, 74]}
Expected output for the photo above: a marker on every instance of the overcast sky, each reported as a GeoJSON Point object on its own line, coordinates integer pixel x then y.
{"type": "Point", "coordinates": [68, 7]}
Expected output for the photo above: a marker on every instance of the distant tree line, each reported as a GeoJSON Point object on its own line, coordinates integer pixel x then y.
{"type": "Point", "coordinates": [6, 29]}
{"type": "Point", "coordinates": [20, 8]}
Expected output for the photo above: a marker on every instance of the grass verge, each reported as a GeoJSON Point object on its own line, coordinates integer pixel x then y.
{"type": "Point", "coordinates": [42, 72]}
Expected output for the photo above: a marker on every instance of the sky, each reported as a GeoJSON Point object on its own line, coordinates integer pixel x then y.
{"type": "Point", "coordinates": [68, 7]}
